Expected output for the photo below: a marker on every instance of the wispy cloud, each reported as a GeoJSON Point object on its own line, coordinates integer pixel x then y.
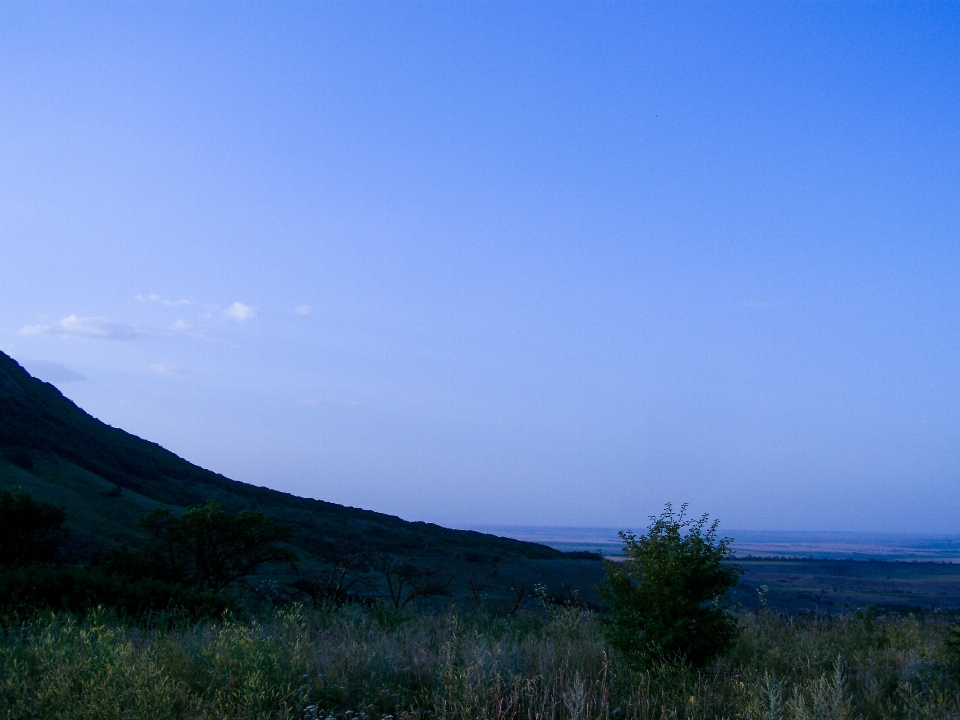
{"type": "Point", "coordinates": [301, 310]}
{"type": "Point", "coordinates": [238, 311]}
{"type": "Point", "coordinates": [162, 301]}
{"type": "Point", "coordinates": [87, 328]}
{"type": "Point", "coordinates": [96, 328]}
{"type": "Point", "coordinates": [166, 369]}
{"type": "Point", "coordinates": [180, 327]}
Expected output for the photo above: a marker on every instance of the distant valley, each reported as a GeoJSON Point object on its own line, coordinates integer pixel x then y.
{"type": "Point", "coordinates": [761, 544]}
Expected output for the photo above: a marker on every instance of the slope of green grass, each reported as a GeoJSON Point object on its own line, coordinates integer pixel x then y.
{"type": "Point", "coordinates": [99, 513]}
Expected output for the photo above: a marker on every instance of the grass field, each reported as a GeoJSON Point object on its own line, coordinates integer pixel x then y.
{"type": "Point", "coordinates": [821, 572]}
{"type": "Point", "coordinates": [794, 585]}
{"type": "Point", "coordinates": [548, 663]}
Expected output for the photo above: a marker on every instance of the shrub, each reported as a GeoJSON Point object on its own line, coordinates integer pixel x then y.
{"type": "Point", "coordinates": [31, 532]}
{"type": "Point", "coordinates": [33, 591]}
{"type": "Point", "coordinates": [206, 548]}
{"type": "Point", "coordinates": [664, 597]}
{"type": "Point", "coordinates": [952, 650]}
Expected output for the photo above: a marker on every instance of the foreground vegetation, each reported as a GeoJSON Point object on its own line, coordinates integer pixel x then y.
{"type": "Point", "coordinates": [87, 640]}
{"type": "Point", "coordinates": [549, 662]}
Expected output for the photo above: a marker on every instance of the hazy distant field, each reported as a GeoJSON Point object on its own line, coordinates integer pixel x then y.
{"type": "Point", "coordinates": [818, 545]}
{"type": "Point", "coordinates": [822, 572]}
{"type": "Point", "coordinates": [794, 585]}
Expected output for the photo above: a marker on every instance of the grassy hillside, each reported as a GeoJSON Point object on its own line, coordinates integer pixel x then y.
{"type": "Point", "coordinates": [108, 479]}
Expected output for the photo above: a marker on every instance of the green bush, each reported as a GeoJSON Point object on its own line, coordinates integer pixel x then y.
{"type": "Point", "coordinates": [951, 646]}
{"type": "Point", "coordinates": [31, 532]}
{"type": "Point", "coordinates": [663, 597]}
{"type": "Point", "coordinates": [31, 591]}
{"type": "Point", "coordinates": [214, 549]}
{"type": "Point", "coordinates": [206, 548]}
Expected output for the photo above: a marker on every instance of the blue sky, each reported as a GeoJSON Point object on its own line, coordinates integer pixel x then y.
{"type": "Point", "coordinates": [519, 263]}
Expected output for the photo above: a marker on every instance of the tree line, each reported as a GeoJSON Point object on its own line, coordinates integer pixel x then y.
{"type": "Point", "coordinates": [663, 601]}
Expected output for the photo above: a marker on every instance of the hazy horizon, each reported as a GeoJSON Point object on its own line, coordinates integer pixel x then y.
{"type": "Point", "coordinates": [515, 263]}
{"type": "Point", "coordinates": [830, 545]}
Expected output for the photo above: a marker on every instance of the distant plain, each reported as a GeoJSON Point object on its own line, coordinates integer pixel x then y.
{"type": "Point", "coordinates": [759, 544]}
{"type": "Point", "coordinates": [811, 571]}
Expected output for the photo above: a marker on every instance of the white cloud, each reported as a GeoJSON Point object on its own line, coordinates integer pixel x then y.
{"type": "Point", "coordinates": [162, 301]}
{"type": "Point", "coordinates": [94, 328]}
{"type": "Point", "coordinates": [239, 311]}
{"type": "Point", "coordinates": [167, 369]}
{"type": "Point", "coordinates": [88, 328]}
{"type": "Point", "coordinates": [301, 310]}
{"type": "Point", "coordinates": [185, 328]}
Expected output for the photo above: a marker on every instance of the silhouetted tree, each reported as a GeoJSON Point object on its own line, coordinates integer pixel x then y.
{"type": "Point", "coordinates": [208, 549]}
{"type": "Point", "coordinates": [333, 583]}
{"type": "Point", "coordinates": [480, 576]}
{"type": "Point", "coordinates": [408, 579]}
{"type": "Point", "coordinates": [517, 597]}
{"type": "Point", "coordinates": [31, 532]}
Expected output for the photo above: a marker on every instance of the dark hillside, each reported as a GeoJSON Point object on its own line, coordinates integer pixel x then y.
{"type": "Point", "coordinates": [109, 478]}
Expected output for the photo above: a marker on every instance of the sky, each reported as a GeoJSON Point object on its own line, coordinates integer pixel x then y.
{"type": "Point", "coordinates": [502, 263]}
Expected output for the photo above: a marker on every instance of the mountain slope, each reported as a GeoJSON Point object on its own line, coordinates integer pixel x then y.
{"type": "Point", "coordinates": [108, 479]}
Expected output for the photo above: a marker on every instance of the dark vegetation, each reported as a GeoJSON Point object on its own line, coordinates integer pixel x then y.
{"type": "Point", "coordinates": [205, 548]}
{"type": "Point", "coordinates": [546, 662]}
{"type": "Point", "coordinates": [206, 561]}
{"type": "Point", "coordinates": [643, 658]}
{"type": "Point", "coordinates": [37, 573]}
{"type": "Point", "coordinates": [31, 533]}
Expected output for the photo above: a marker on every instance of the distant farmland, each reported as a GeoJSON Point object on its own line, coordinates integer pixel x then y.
{"type": "Point", "coordinates": [821, 572]}
{"type": "Point", "coordinates": [752, 543]}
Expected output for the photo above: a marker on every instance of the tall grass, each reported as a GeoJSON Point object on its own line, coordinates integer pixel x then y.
{"type": "Point", "coordinates": [552, 665]}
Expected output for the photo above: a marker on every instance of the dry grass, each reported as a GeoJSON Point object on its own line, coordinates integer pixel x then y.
{"type": "Point", "coordinates": [549, 665]}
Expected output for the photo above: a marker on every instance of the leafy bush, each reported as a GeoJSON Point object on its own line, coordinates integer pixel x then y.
{"type": "Point", "coordinates": [31, 532]}
{"type": "Point", "coordinates": [664, 596]}
{"type": "Point", "coordinates": [32, 591]}
{"type": "Point", "coordinates": [186, 566]}
{"type": "Point", "coordinates": [206, 548]}
{"type": "Point", "coordinates": [952, 650]}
